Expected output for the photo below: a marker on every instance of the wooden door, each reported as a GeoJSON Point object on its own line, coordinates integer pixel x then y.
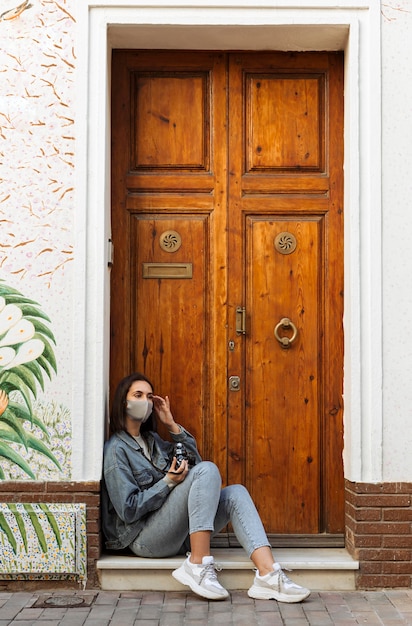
{"type": "Point", "coordinates": [227, 221]}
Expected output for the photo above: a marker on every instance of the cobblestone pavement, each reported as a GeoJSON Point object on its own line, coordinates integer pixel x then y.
{"type": "Point", "coordinates": [102, 608]}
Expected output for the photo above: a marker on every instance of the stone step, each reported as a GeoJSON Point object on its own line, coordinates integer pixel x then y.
{"type": "Point", "coordinates": [319, 569]}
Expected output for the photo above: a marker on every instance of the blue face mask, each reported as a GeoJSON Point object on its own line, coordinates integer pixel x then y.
{"type": "Point", "coordinates": [139, 410]}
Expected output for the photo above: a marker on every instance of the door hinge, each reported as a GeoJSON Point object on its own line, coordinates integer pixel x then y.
{"type": "Point", "coordinates": [110, 252]}
{"type": "Point", "coordinates": [240, 320]}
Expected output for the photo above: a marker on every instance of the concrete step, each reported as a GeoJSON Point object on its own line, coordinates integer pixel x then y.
{"type": "Point", "coordinates": [319, 569]}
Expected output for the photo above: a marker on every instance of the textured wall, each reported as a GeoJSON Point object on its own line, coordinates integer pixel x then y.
{"type": "Point", "coordinates": [37, 146]}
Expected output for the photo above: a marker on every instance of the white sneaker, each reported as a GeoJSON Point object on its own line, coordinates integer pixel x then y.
{"type": "Point", "coordinates": [277, 586]}
{"type": "Point", "coordinates": [201, 579]}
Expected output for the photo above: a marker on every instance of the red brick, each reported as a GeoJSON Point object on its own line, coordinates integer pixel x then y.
{"type": "Point", "coordinates": [384, 555]}
{"type": "Point", "coordinates": [92, 522]}
{"type": "Point", "coordinates": [397, 515]}
{"type": "Point", "coordinates": [18, 486]}
{"type": "Point", "coordinates": [404, 567]}
{"type": "Point", "coordinates": [368, 515]}
{"type": "Point", "coordinates": [93, 552]}
{"type": "Point", "coordinates": [397, 541]}
{"type": "Point", "coordinates": [382, 500]}
{"type": "Point", "coordinates": [368, 541]}
{"type": "Point", "coordinates": [370, 567]}
{"type": "Point", "coordinates": [366, 488]}
{"type": "Point", "coordinates": [91, 487]}
{"type": "Point", "coordinates": [93, 541]}
{"type": "Point", "coordinates": [394, 528]}
{"type": "Point", "coordinates": [376, 581]}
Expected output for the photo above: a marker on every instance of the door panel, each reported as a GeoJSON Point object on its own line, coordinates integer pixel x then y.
{"type": "Point", "coordinates": [169, 261]}
{"type": "Point", "coordinates": [222, 163]}
{"type": "Point", "coordinates": [282, 425]}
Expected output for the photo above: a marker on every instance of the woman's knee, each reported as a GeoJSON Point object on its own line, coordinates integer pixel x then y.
{"type": "Point", "coordinates": [236, 493]}
{"type": "Point", "coordinates": [208, 471]}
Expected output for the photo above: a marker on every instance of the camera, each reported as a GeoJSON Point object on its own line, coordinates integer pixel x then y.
{"type": "Point", "coordinates": [180, 453]}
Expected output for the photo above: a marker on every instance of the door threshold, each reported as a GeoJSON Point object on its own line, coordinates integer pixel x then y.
{"type": "Point", "coordinates": [322, 540]}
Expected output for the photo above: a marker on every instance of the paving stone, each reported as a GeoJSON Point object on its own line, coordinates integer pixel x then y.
{"type": "Point", "coordinates": [129, 608]}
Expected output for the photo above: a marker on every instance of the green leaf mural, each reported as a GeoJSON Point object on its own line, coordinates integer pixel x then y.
{"type": "Point", "coordinates": [33, 515]}
{"type": "Point", "coordinates": [27, 360]}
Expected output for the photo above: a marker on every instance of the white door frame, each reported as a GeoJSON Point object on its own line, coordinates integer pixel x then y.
{"type": "Point", "coordinates": [225, 24]}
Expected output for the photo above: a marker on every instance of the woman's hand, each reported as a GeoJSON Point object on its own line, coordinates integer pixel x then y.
{"type": "Point", "coordinates": [162, 408]}
{"type": "Point", "coordinates": [178, 475]}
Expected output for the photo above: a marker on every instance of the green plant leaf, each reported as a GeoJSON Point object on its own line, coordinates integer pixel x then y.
{"type": "Point", "coordinates": [20, 523]}
{"type": "Point", "coordinates": [32, 442]}
{"type": "Point", "coordinates": [17, 298]}
{"type": "Point", "coordinates": [48, 352]}
{"type": "Point", "coordinates": [53, 523]}
{"type": "Point", "coordinates": [37, 527]}
{"type": "Point", "coordinates": [11, 455]}
{"type": "Point", "coordinates": [29, 310]}
{"type": "Point", "coordinates": [41, 328]}
{"type": "Point", "coordinates": [9, 382]}
{"type": "Point", "coordinates": [7, 425]}
{"type": "Point", "coordinates": [8, 532]}
{"type": "Point", "coordinates": [40, 446]}
{"type": "Point", "coordinates": [34, 368]}
{"type": "Point", "coordinates": [45, 365]}
{"type": "Point", "coordinates": [27, 377]}
{"type": "Point", "coordinates": [2, 474]}
{"type": "Point", "coordinates": [20, 412]}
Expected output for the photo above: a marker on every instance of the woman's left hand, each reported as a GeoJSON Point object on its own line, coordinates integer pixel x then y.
{"type": "Point", "coordinates": [162, 408]}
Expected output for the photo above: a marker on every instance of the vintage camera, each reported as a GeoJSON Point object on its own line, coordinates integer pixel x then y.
{"type": "Point", "coordinates": [180, 453]}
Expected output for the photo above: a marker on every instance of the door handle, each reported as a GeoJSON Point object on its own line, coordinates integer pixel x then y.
{"type": "Point", "coordinates": [285, 341]}
{"type": "Point", "coordinates": [240, 320]}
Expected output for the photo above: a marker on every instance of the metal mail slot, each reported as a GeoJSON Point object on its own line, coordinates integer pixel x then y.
{"type": "Point", "coordinates": [167, 270]}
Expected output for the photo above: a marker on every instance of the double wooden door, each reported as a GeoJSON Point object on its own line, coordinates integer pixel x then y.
{"type": "Point", "coordinates": [227, 197]}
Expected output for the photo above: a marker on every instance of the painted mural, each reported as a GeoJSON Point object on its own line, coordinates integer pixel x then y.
{"type": "Point", "coordinates": [39, 540]}
{"type": "Point", "coordinates": [26, 359]}
{"type": "Point", "coordinates": [36, 230]}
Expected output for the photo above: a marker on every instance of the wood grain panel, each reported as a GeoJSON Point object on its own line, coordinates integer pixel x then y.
{"type": "Point", "coordinates": [170, 121]}
{"type": "Point", "coordinates": [173, 338]}
{"type": "Point", "coordinates": [284, 126]}
{"type": "Point", "coordinates": [284, 402]}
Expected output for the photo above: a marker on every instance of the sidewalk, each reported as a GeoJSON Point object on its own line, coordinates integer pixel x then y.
{"type": "Point", "coordinates": [103, 608]}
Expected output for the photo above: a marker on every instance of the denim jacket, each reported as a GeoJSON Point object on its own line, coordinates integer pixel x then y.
{"type": "Point", "coordinates": [132, 486]}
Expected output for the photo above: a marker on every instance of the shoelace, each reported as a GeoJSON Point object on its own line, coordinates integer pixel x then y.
{"type": "Point", "coordinates": [282, 576]}
{"type": "Point", "coordinates": [210, 570]}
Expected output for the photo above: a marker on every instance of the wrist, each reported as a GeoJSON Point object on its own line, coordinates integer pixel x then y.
{"type": "Point", "coordinates": [175, 429]}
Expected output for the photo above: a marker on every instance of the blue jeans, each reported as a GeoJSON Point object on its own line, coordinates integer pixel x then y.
{"type": "Point", "coordinates": [199, 503]}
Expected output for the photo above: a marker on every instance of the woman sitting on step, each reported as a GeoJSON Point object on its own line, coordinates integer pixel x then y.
{"type": "Point", "coordinates": [160, 505]}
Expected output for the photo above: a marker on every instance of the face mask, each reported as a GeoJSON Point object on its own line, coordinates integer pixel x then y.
{"type": "Point", "coordinates": [139, 409]}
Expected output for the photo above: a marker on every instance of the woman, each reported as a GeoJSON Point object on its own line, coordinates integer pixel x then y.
{"type": "Point", "coordinates": [159, 508]}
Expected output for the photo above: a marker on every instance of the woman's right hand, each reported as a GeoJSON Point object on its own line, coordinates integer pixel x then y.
{"type": "Point", "coordinates": [177, 475]}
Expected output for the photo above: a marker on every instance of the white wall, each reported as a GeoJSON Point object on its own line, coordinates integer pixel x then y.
{"type": "Point", "coordinates": [397, 234]}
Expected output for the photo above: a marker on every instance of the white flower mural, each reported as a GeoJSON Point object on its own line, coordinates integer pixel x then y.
{"type": "Point", "coordinates": [26, 356]}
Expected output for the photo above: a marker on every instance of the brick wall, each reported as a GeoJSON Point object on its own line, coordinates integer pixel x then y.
{"type": "Point", "coordinates": [60, 492]}
{"type": "Point", "coordinates": [379, 533]}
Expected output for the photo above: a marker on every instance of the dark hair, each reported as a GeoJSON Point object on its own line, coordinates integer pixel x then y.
{"type": "Point", "coordinates": [118, 415]}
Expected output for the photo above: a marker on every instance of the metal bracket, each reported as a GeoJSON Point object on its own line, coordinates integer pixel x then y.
{"type": "Point", "coordinates": [110, 252]}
